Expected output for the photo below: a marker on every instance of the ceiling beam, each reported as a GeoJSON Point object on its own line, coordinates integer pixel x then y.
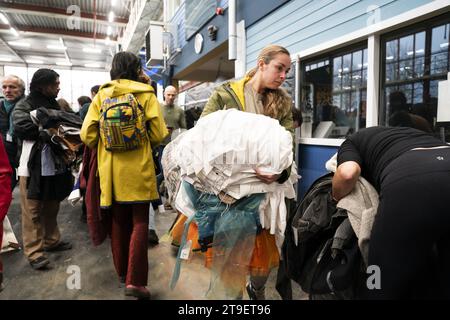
{"type": "Point", "coordinates": [3, 42]}
{"type": "Point", "coordinates": [35, 10]}
{"type": "Point", "coordinates": [65, 50]}
{"type": "Point", "coordinates": [58, 32]}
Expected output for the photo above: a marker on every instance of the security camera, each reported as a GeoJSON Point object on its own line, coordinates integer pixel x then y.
{"type": "Point", "coordinates": [212, 32]}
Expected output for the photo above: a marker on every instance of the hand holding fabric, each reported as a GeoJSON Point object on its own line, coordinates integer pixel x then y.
{"type": "Point", "coordinates": [266, 177]}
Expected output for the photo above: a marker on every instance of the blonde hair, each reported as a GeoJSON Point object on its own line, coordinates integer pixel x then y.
{"type": "Point", "coordinates": [276, 102]}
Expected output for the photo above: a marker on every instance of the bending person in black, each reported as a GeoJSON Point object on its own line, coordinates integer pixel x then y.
{"type": "Point", "coordinates": [410, 240]}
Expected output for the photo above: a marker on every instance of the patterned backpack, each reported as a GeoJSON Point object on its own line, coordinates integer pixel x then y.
{"type": "Point", "coordinates": [122, 124]}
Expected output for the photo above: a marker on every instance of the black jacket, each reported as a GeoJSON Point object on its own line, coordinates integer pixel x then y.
{"type": "Point", "coordinates": [321, 249]}
{"type": "Point", "coordinates": [39, 188]}
{"type": "Point", "coordinates": [24, 128]}
{"type": "Point", "coordinates": [10, 146]}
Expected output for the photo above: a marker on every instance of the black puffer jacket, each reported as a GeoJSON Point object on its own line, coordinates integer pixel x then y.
{"type": "Point", "coordinates": [321, 249]}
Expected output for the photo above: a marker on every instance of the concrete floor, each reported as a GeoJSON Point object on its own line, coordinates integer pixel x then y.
{"type": "Point", "coordinates": [98, 277]}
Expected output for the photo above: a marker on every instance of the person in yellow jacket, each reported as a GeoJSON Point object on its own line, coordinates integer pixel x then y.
{"type": "Point", "coordinates": [258, 92]}
{"type": "Point", "coordinates": [127, 179]}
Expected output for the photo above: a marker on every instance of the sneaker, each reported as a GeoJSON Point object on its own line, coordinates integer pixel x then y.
{"type": "Point", "coordinates": [60, 246]}
{"type": "Point", "coordinates": [137, 292]}
{"type": "Point", "coordinates": [39, 263]}
{"type": "Point", "coordinates": [254, 294]}
{"type": "Point", "coordinates": [152, 237]}
{"type": "Point", "coordinates": [161, 209]}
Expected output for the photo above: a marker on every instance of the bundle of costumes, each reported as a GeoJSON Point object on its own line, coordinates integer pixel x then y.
{"type": "Point", "coordinates": [210, 175]}
{"type": "Point", "coordinates": [58, 153]}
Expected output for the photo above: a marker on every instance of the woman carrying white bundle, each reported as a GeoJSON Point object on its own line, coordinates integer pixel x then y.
{"type": "Point", "coordinates": [258, 92]}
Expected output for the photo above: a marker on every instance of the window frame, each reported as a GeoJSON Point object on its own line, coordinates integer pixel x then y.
{"type": "Point", "coordinates": [330, 55]}
{"type": "Point", "coordinates": [426, 26]}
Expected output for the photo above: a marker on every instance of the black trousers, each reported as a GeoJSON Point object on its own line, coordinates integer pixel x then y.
{"type": "Point", "coordinates": [410, 240]}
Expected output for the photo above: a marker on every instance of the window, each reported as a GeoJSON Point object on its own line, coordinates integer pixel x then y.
{"type": "Point", "coordinates": [197, 13]}
{"type": "Point", "coordinates": [171, 8]}
{"type": "Point", "coordinates": [333, 94]}
{"type": "Point", "coordinates": [289, 83]}
{"type": "Point", "coordinates": [413, 63]}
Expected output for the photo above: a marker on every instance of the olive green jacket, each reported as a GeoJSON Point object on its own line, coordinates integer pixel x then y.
{"type": "Point", "coordinates": [230, 95]}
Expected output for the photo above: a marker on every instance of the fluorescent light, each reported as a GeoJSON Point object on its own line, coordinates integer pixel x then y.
{"type": "Point", "coordinates": [410, 53]}
{"type": "Point", "coordinates": [6, 59]}
{"type": "Point", "coordinates": [111, 17]}
{"type": "Point", "coordinates": [420, 51]}
{"type": "Point", "coordinates": [92, 65]}
{"type": "Point", "coordinates": [390, 58]}
{"type": "Point", "coordinates": [92, 50]}
{"type": "Point", "coordinates": [33, 61]}
{"type": "Point", "coordinates": [109, 30]}
{"type": "Point", "coordinates": [4, 19]}
{"type": "Point", "coordinates": [63, 63]}
{"type": "Point", "coordinates": [56, 47]}
{"type": "Point", "coordinates": [19, 44]}
{"type": "Point", "coordinates": [14, 31]}
{"type": "Point", "coordinates": [443, 45]}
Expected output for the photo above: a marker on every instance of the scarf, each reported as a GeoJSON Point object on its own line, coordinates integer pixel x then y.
{"type": "Point", "coordinates": [8, 107]}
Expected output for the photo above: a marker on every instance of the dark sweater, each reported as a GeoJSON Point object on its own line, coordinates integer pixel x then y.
{"type": "Point", "coordinates": [374, 148]}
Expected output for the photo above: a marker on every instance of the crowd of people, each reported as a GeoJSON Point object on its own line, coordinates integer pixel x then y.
{"type": "Point", "coordinates": [121, 131]}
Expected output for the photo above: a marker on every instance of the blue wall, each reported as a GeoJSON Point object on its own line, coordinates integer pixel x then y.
{"type": "Point", "coordinates": [178, 20]}
{"type": "Point", "coordinates": [311, 163]}
{"type": "Point", "coordinates": [188, 56]}
{"type": "Point", "coordinates": [301, 24]}
{"type": "Point", "coordinates": [249, 10]}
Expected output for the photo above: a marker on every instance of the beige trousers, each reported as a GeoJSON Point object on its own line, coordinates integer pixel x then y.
{"type": "Point", "coordinates": [39, 226]}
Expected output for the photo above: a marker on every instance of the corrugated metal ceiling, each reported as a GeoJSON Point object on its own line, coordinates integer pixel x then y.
{"type": "Point", "coordinates": [40, 28]}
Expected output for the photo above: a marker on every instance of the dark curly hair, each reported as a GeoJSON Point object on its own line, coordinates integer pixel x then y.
{"type": "Point", "coordinates": [42, 78]}
{"type": "Point", "coordinates": [125, 65]}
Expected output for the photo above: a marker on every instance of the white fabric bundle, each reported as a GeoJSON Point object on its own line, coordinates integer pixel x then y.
{"type": "Point", "coordinates": [226, 146]}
